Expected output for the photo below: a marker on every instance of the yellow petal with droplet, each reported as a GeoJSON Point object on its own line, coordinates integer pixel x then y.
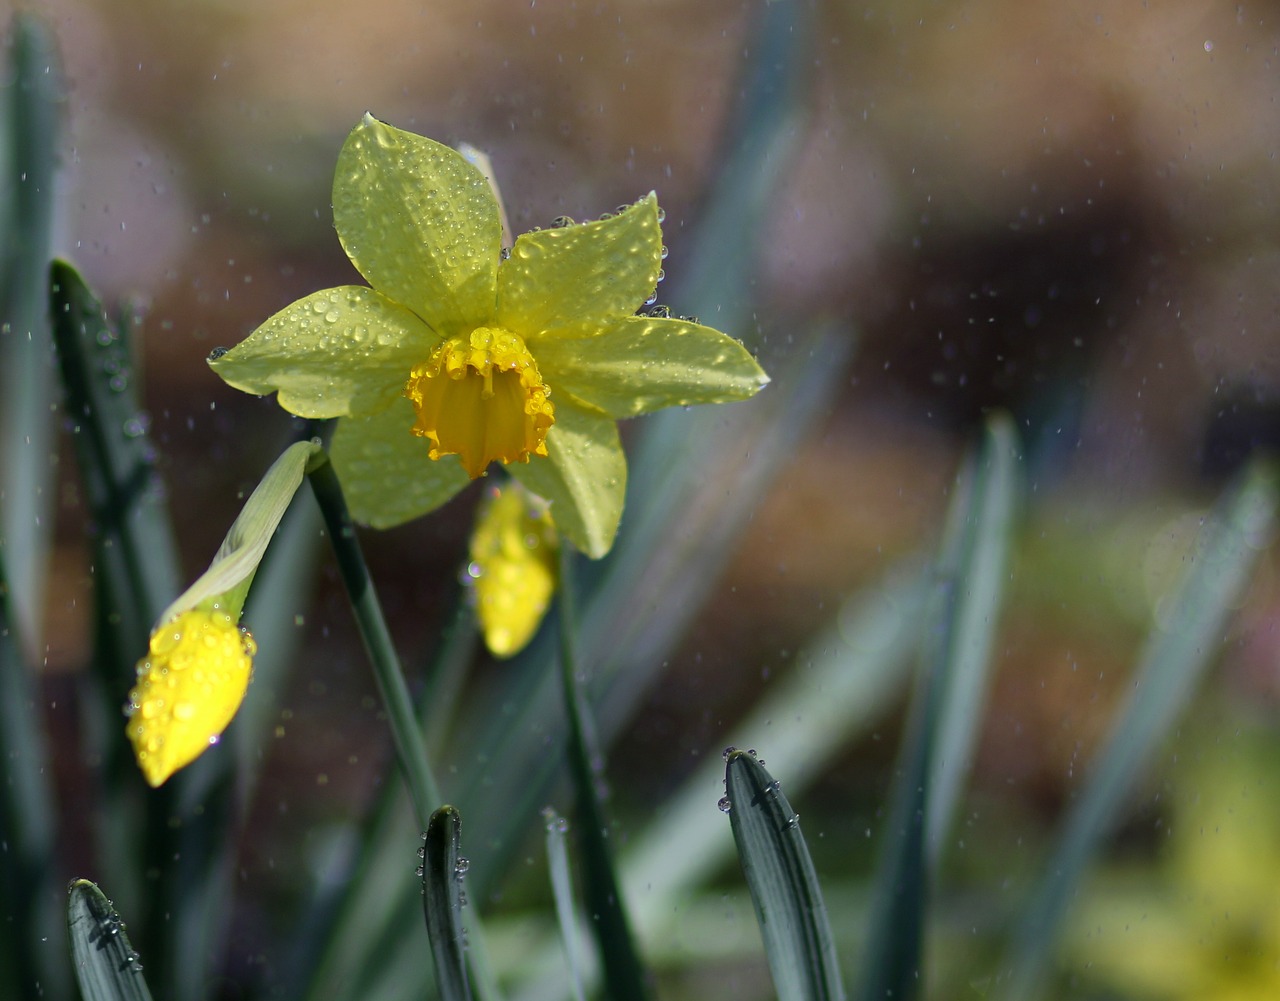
{"type": "Point", "coordinates": [189, 687]}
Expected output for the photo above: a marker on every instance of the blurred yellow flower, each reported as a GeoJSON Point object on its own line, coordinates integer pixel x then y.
{"type": "Point", "coordinates": [513, 568]}
{"type": "Point", "coordinates": [487, 355]}
{"type": "Point", "coordinates": [190, 685]}
{"type": "Point", "coordinates": [1206, 923]}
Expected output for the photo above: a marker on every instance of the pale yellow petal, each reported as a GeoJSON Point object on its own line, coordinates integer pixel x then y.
{"type": "Point", "coordinates": [643, 363]}
{"type": "Point", "coordinates": [582, 274]}
{"type": "Point", "coordinates": [386, 473]}
{"type": "Point", "coordinates": [420, 223]}
{"type": "Point", "coordinates": [584, 477]}
{"type": "Point", "coordinates": [335, 352]}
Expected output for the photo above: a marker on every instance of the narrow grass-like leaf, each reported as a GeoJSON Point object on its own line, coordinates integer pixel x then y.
{"type": "Point", "coordinates": [843, 680]}
{"type": "Point", "coordinates": [31, 944]}
{"type": "Point", "coordinates": [784, 887]}
{"type": "Point", "coordinates": [31, 96]}
{"type": "Point", "coordinates": [1177, 653]}
{"type": "Point", "coordinates": [973, 569]}
{"type": "Point", "coordinates": [30, 940]}
{"type": "Point", "coordinates": [892, 955]}
{"type": "Point", "coordinates": [624, 974]}
{"type": "Point", "coordinates": [136, 555]}
{"type": "Point", "coordinates": [106, 966]}
{"type": "Point", "coordinates": [944, 715]}
{"type": "Point", "coordinates": [562, 891]}
{"type": "Point", "coordinates": [442, 871]}
{"type": "Point", "coordinates": [361, 907]}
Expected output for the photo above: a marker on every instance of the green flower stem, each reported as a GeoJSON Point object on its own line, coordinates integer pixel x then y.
{"type": "Point", "coordinates": [624, 974]}
{"type": "Point", "coordinates": [448, 673]}
{"type": "Point", "coordinates": [411, 751]}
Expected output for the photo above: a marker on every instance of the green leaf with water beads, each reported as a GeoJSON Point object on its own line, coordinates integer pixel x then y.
{"type": "Point", "coordinates": [784, 887]}
{"type": "Point", "coordinates": [106, 966]}
{"type": "Point", "coordinates": [136, 558]}
{"type": "Point", "coordinates": [442, 900]}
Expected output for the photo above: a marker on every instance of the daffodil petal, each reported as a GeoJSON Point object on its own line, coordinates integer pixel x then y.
{"type": "Point", "coordinates": [644, 363]}
{"type": "Point", "coordinates": [336, 352]}
{"type": "Point", "coordinates": [420, 223]}
{"type": "Point", "coordinates": [584, 477]}
{"type": "Point", "coordinates": [386, 474]}
{"type": "Point", "coordinates": [590, 272]}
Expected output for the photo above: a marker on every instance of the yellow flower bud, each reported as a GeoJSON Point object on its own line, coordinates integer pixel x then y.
{"type": "Point", "coordinates": [513, 569]}
{"type": "Point", "coordinates": [190, 685]}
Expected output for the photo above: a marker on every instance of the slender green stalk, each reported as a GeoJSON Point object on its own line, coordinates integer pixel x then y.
{"type": "Point", "coordinates": [624, 974]}
{"type": "Point", "coordinates": [449, 671]}
{"type": "Point", "coordinates": [411, 750]}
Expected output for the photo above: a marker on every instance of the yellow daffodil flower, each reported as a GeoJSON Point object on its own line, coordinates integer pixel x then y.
{"type": "Point", "coordinates": [197, 668]}
{"type": "Point", "coordinates": [461, 354]}
{"type": "Point", "coordinates": [513, 568]}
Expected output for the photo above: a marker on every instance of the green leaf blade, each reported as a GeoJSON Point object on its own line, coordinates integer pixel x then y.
{"type": "Point", "coordinates": [974, 562]}
{"type": "Point", "coordinates": [1174, 659]}
{"type": "Point", "coordinates": [784, 886]}
{"type": "Point", "coordinates": [32, 95]}
{"type": "Point", "coordinates": [442, 869]}
{"type": "Point", "coordinates": [107, 968]}
{"type": "Point", "coordinates": [562, 891]}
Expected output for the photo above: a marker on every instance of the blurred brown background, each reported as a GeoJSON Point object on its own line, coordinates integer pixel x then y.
{"type": "Point", "coordinates": [1066, 209]}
